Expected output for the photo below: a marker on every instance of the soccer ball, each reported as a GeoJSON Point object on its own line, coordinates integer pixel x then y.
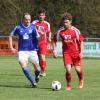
{"type": "Point", "coordinates": [56, 85]}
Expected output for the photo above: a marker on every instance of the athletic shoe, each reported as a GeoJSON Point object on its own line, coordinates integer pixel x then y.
{"type": "Point", "coordinates": [37, 75]}
{"type": "Point", "coordinates": [81, 84]}
{"type": "Point", "coordinates": [43, 74]}
{"type": "Point", "coordinates": [34, 85]}
{"type": "Point", "coordinates": [37, 79]}
{"type": "Point", "coordinates": [68, 88]}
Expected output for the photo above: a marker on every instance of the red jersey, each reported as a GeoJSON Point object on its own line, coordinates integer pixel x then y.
{"type": "Point", "coordinates": [45, 26]}
{"type": "Point", "coordinates": [71, 39]}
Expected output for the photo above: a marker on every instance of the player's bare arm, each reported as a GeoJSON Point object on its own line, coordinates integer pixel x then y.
{"type": "Point", "coordinates": [11, 45]}
{"type": "Point", "coordinates": [81, 52]}
{"type": "Point", "coordinates": [54, 49]}
{"type": "Point", "coordinates": [49, 37]}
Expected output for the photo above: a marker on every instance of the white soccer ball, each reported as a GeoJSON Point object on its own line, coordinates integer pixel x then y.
{"type": "Point", "coordinates": [56, 85]}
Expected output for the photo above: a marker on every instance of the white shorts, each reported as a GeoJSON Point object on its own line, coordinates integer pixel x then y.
{"type": "Point", "coordinates": [28, 56]}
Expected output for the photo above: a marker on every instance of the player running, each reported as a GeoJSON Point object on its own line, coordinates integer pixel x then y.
{"type": "Point", "coordinates": [72, 45]}
{"type": "Point", "coordinates": [40, 23]}
{"type": "Point", "coordinates": [27, 47]}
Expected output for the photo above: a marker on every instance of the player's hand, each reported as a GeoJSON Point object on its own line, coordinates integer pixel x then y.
{"type": "Point", "coordinates": [42, 31]}
{"type": "Point", "coordinates": [13, 50]}
{"type": "Point", "coordinates": [81, 55]}
{"type": "Point", "coordinates": [54, 53]}
{"type": "Point", "coordinates": [49, 39]}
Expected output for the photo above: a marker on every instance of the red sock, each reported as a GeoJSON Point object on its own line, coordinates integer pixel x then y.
{"type": "Point", "coordinates": [80, 75]}
{"type": "Point", "coordinates": [68, 78]}
{"type": "Point", "coordinates": [43, 65]}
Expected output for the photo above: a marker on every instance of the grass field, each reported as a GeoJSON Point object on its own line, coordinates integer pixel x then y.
{"type": "Point", "coordinates": [14, 85]}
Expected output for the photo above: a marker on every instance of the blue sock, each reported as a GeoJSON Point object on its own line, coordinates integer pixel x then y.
{"type": "Point", "coordinates": [28, 75]}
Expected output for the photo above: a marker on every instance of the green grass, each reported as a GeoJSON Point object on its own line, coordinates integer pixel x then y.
{"type": "Point", "coordinates": [14, 85]}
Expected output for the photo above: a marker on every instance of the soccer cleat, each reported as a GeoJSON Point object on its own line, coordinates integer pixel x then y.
{"type": "Point", "coordinates": [37, 79]}
{"type": "Point", "coordinates": [43, 74]}
{"type": "Point", "coordinates": [34, 85]}
{"type": "Point", "coordinates": [68, 88]}
{"type": "Point", "coordinates": [81, 84]}
{"type": "Point", "coordinates": [37, 75]}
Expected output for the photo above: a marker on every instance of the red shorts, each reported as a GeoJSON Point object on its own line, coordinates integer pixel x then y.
{"type": "Point", "coordinates": [73, 59]}
{"type": "Point", "coordinates": [42, 49]}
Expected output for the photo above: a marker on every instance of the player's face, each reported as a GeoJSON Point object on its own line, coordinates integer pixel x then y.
{"type": "Point", "coordinates": [67, 23]}
{"type": "Point", "coordinates": [27, 20]}
{"type": "Point", "coordinates": [41, 16]}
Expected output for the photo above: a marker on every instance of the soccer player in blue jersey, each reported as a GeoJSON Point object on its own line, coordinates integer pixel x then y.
{"type": "Point", "coordinates": [27, 47]}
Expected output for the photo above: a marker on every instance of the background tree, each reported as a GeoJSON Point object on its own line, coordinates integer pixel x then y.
{"type": "Point", "coordinates": [86, 13]}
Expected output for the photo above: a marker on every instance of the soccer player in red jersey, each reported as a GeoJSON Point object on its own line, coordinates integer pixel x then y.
{"type": "Point", "coordinates": [40, 23]}
{"type": "Point", "coordinates": [72, 44]}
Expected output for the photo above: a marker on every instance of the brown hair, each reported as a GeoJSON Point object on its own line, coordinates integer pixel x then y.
{"type": "Point", "coordinates": [41, 10]}
{"type": "Point", "coordinates": [67, 16]}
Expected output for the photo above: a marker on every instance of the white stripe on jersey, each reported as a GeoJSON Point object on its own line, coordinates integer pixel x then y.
{"type": "Point", "coordinates": [58, 33]}
{"type": "Point", "coordinates": [37, 34]}
{"type": "Point", "coordinates": [76, 31]}
{"type": "Point", "coordinates": [49, 29]}
{"type": "Point", "coordinates": [36, 21]}
{"type": "Point", "coordinates": [73, 28]}
{"type": "Point", "coordinates": [12, 33]}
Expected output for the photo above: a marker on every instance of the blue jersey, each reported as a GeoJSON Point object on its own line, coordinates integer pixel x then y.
{"type": "Point", "coordinates": [27, 37]}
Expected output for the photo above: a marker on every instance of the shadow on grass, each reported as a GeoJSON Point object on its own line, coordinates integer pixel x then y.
{"type": "Point", "coordinates": [15, 86]}
{"type": "Point", "coordinates": [45, 88]}
{"type": "Point", "coordinates": [25, 86]}
{"type": "Point", "coordinates": [9, 74]}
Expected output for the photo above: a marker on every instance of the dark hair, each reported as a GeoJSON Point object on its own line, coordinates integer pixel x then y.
{"type": "Point", "coordinates": [67, 16]}
{"type": "Point", "coordinates": [41, 10]}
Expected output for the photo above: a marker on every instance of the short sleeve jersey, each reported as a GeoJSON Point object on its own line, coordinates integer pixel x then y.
{"type": "Point", "coordinates": [27, 37]}
{"type": "Point", "coordinates": [71, 39]}
{"type": "Point", "coordinates": [45, 26]}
